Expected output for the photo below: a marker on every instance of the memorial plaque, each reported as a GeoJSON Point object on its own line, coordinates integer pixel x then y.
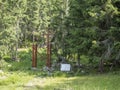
{"type": "Point", "coordinates": [65, 67]}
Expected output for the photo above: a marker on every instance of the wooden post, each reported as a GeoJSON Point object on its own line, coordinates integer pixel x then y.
{"type": "Point", "coordinates": [34, 55]}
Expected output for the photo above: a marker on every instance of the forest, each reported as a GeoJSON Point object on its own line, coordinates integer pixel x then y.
{"type": "Point", "coordinates": [83, 33]}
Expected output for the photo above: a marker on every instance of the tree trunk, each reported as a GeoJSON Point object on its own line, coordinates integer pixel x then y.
{"type": "Point", "coordinates": [17, 37]}
{"type": "Point", "coordinates": [101, 66]}
{"type": "Point", "coordinates": [78, 58]}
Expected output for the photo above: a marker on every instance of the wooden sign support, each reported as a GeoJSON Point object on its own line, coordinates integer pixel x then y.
{"type": "Point", "coordinates": [34, 55]}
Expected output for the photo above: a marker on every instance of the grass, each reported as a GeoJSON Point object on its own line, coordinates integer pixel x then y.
{"type": "Point", "coordinates": [18, 80]}
{"type": "Point", "coordinates": [13, 80]}
{"type": "Point", "coordinates": [91, 82]}
{"type": "Point", "coordinates": [19, 76]}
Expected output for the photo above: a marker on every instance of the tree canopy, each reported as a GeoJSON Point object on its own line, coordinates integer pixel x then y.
{"type": "Point", "coordinates": [81, 27]}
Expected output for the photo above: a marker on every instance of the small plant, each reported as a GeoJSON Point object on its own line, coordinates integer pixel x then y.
{"type": "Point", "coordinates": [7, 58]}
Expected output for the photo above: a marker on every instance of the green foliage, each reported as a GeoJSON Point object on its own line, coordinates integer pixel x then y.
{"type": "Point", "coordinates": [7, 58]}
{"type": "Point", "coordinates": [59, 74]}
{"type": "Point", "coordinates": [94, 61]}
{"type": "Point", "coordinates": [25, 55]}
{"type": "Point", "coordinates": [84, 60]}
{"type": "Point", "coordinates": [80, 27]}
{"type": "Point", "coordinates": [115, 32]}
{"type": "Point", "coordinates": [22, 65]}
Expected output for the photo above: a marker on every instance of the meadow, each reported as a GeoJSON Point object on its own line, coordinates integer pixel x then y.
{"type": "Point", "coordinates": [18, 75]}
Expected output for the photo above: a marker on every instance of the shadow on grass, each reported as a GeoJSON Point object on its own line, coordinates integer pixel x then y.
{"type": "Point", "coordinates": [98, 82]}
{"type": "Point", "coordinates": [56, 83]}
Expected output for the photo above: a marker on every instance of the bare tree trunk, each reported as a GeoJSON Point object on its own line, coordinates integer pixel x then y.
{"type": "Point", "coordinates": [78, 58]}
{"type": "Point", "coordinates": [101, 66]}
{"type": "Point", "coordinates": [17, 37]}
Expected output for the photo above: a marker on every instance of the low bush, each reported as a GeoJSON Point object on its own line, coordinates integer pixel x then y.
{"type": "Point", "coordinates": [7, 58]}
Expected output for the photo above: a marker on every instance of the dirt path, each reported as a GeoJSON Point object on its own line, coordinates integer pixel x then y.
{"type": "Point", "coordinates": [48, 83]}
{"type": "Point", "coordinates": [35, 84]}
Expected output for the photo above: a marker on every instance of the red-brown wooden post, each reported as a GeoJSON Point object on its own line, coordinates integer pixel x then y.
{"type": "Point", "coordinates": [34, 55]}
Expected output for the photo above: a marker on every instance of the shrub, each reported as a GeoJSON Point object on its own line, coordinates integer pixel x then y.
{"type": "Point", "coordinates": [23, 55]}
{"type": "Point", "coordinates": [7, 58]}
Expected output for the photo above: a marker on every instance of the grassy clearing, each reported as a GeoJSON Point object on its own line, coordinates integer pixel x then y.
{"type": "Point", "coordinates": [23, 81]}
{"type": "Point", "coordinates": [19, 76]}
{"type": "Point", "coordinates": [95, 82]}
{"type": "Point", "coordinates": [92, 82]}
